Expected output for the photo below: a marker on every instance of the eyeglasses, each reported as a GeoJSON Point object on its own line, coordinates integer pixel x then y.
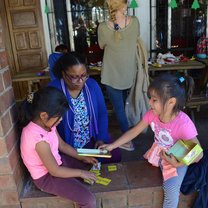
{"type": "Point", "coordinates": [75, 79]}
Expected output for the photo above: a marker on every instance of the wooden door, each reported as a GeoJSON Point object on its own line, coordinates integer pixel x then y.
{"type": "Point", "coordinates": [27, 39]}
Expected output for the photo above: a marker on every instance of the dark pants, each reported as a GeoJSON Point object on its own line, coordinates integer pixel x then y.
{"type": "Point", "coordinates": [69, 188]}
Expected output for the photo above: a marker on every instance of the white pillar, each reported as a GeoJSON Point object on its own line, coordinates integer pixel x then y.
{"type": "Point", "coordinates": [70, 25]}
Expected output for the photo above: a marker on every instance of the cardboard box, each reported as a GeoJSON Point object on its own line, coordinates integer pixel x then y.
{"type": "Point", "coordinates": [185, 151]}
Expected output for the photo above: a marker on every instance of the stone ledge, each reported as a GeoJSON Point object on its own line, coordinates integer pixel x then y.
{"type": "Point", "coordinates": [134, 184]}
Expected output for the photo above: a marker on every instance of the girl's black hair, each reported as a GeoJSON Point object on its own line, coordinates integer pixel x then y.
{"type": "Point", "coordinates": [167, 86]}
{"type": "Point", "coordinates": [49, 100]}
{"type": "Point", "coordinates": [66, 61]}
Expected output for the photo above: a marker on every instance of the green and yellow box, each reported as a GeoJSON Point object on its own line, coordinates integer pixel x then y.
{"type": "Point", "coordinates": [185, 151]}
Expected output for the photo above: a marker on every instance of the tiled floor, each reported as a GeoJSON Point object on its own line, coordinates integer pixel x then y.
{"type": "Point", "coordinates": [144, 141]}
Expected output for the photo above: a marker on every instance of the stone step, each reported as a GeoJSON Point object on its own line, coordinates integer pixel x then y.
{"type": "Point", "coordinates": [134, 185]}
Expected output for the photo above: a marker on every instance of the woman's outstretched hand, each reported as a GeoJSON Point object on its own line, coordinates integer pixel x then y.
{"type": "Point", "coordinates": [88, 175]}
{"type": "Point", "coordinates": [108, 147]}
{"type": "Point", "coordinates": [90, 160]}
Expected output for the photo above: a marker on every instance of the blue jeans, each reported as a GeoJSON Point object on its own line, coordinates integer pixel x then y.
{"type": "Point", "coordinates": [118, 100]}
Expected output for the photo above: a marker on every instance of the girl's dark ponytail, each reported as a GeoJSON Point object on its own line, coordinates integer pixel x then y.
{"type": "Point", "coordinates": [189, 87]}
{"type": "Point", "coordinates": [25, 114]}
{"type": "Point", "coordinates": [49, 100]}
{"type": "Point", "coordinates": [187, 82]}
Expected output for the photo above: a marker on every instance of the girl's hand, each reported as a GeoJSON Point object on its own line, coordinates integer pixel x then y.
{"type": "Point", "coordinates": [170, 159]}
{"type": "Point", "coordinates": [90, 160]}
{"type": "Point", "coordinates": [98, 143]}
{"type": "Point", "coordinates": [108, 147]}
{"type": "Point", "coordinates": [88, 175]}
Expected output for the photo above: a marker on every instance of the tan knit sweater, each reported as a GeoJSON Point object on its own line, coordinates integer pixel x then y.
{"type": "Point", "coordinates": [119, 61]}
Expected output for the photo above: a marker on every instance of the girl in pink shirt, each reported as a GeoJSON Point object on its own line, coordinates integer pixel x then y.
{"type": "Point", "coordinates": [53, 164]}
{"type": "Point", "coordinates": [169, 124]}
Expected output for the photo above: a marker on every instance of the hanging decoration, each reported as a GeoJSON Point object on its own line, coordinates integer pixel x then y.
{"type": "Point", "coordinates": [195, 5]}
{"type": "Point", "coordinates": [133, 4]}
{"type": "Point", "coordinates": [173, 4]}
{"type": "Point", "coordinates": [46, 10]}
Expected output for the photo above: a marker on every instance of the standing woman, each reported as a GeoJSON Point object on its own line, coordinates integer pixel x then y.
{"type": "Point", "coordinates": [118, 37]}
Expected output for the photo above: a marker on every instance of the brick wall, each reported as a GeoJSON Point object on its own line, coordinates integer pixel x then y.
{"type": "Point", "coordinates": [151, 197]}
{"type": "Point", "coordinates": [11, 172]}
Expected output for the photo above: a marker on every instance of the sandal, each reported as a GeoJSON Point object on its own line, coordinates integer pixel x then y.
{"type": "Point", "coordinates": [129, 146]}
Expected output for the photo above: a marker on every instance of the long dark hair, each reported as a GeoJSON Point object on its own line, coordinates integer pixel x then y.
{"type": "Point", "coordinates": [167, 86]}
{"type": "Point", "coordinates": [49, 100]}
{"type": "Point", "coordinates": [66, 61]}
